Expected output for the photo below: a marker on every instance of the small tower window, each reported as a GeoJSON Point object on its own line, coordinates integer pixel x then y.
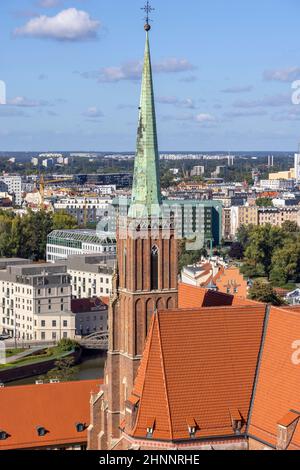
{"type": "Point", "coordinates": [192, 426]}
{"type": "Point", "coordinates": [154, 267]}
{"type": "Point", "coordinates": [3, 435]}
{"type": "Point", "coordinates": [80, 427]}
{"type": "Point", "coordinates": [150, 427]}
{"type": "Point", "coordinates": [41, 431]}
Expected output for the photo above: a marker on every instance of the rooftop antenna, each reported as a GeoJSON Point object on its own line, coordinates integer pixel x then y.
{"type": "Point", "coordinates": [148, 9]}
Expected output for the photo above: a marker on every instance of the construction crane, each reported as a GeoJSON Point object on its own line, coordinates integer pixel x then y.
{"type": "Point", "coordinates": [42, 186]}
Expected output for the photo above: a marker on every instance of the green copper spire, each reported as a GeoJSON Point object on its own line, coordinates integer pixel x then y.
{"type": "Point", "coordinates": [146, 183]}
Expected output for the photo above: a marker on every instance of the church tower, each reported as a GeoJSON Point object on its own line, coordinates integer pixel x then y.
{"type": "Point", "coordinates": [146, 275]}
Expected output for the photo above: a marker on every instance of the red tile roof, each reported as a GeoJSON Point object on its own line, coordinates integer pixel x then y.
{"type": "Point", "coordinates": [56, 407]}
{"type": "Point", "coordinates": [87, 305]}
{"type": "Point", "coordinates": [278, 381]}
{"type": "Point", "coordinates": [193, 297]}
{"type": "Point", "coordinates": [105, 300]}
{"type": "Point", "coordinates": [198, 363]}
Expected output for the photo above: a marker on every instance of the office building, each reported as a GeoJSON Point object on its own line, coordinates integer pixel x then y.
{"type": "Point", "coordinates": [35, 301]}
{"type": "Point", "coordinates": [91, 275]}
{"type": "Point", "coordinates": [63, 243]}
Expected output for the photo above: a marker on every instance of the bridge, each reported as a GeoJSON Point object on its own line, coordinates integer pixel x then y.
{"type": "Point", "coordinates": [97, 340]}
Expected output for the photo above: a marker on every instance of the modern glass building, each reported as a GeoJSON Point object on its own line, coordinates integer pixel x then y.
{"type": "Point", "coordinates": [63, 243]}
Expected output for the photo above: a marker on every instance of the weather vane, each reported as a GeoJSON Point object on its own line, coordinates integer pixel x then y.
{"type": "Point", "coordinates": [148, 9]}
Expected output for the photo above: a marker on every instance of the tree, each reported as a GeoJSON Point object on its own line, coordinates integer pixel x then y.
{"type": "Point", "coordinates": [61, 220]}
{"type": "Point", "coordinates": [286, 263]}
{"type": "Point", "coordinates": [236, 251]}
{"type": "Point", "coordinates": [243, 234]}
{"type": "Point", "coordinates": [262, 244]}
{"type": "Point", "coordinates": [26, 236]}
{"type": "Point", "coordinates": [188, 257]}
{"type": "Point", "coordinates": [289, 226]}
{"type": "Point", "coordinates": [264, 292]}
{"type": "Point", "coordinates": [65, 370]}
{"type": "Point", "coordinates": [264, 202]}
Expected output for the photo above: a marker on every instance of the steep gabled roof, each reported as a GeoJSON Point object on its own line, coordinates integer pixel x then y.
{"type": "Point", "coordinates": [198, 364]}
{"type": "Point", "coordinates": [57, 407]}
{"type": "Point", "coordinates": [194, 297]}
{"type": "Point", "coordinates": [277, 390]}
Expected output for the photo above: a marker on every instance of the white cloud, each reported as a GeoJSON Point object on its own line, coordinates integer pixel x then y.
{"type": "Point", "coordinates": [22, 102]}
{"type": "Point", "coordinates": [204, 117]}
{"type": "Point", "coordinates": [49, 3]}
{"type": "Point", "coordinates": [201, 118]}
{"type": "Point", "coordinates": [267, 101]}
{"type": "Point", "coordinates": [68, 25]}
{"type": "Point", "coordinates": [283, 75]}
{"type": "Point", "coordinates": [238, 89]}
{"type": "Point", "coordinates": [246, 113]}
{"type": "Point", "coordinates": [133, 70]}
{"type": "Point", "coordinates": [187, 103]}
{"type": "Point", "coordinates": [93, 112]}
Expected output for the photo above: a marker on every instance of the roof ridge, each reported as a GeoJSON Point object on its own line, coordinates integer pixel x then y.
{"type": "Point", "coordinates": [218, 307]}
{"type": "Point", "coordinates": [164, 377]}
{"type": "Point", "coordinates": [286, 309]}
{"type": "Point", "coordinates": [149, 339]}
{"type": "Point", "coordinates": [259, 361]}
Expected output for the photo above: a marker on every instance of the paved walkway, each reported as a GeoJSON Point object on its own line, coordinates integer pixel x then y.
{"type": "Point", "coordinates": [26, 353]}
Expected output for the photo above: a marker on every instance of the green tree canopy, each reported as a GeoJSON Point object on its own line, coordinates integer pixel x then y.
{"type": "Point", "coordinates": [262, 244]}
{"type": "Point", "coordinates": [26, 236]}
{"type": "Point", "coordinates": [264, 202]}
{"type": "Point", "coordinates": [264, 292]}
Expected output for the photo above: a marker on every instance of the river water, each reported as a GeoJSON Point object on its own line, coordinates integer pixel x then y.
{"type": "Point", "coordinates": [91, 367]}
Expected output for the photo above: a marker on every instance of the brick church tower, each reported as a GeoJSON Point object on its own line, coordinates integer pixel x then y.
{"type": "Point", "coordinates": [145, 279]}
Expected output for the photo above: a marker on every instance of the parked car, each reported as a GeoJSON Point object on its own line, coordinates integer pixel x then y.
{"type": "Point", "coordinates": [4, 337]}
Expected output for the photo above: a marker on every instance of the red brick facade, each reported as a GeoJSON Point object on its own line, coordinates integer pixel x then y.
{"type": "Point", "coordinates": [138, 293]}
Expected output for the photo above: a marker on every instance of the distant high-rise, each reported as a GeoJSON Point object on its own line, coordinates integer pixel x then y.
{"type": "Point", "coordinates": [297, 166]}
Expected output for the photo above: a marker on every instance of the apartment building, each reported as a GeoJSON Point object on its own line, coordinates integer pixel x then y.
{"type": "Point", "coordinates": [278, 215]}
{"type": "Point", "coordinates": [278, 185]}
{"type": "Point", "coordinates": [35, 301]}
{"type": "Point", "coordinates": [84, 209]}
{"type": "Point", "coordinates": [64, 243]}
{"type": "Point", "coordinates": [91, 275]}
{"type": "Point", "coordinates": [91, 316]}
{"type": "Point", "coordinates": [226, 223]}
{"type": "Point", "coordinates": [14, 187]}
{"type": "Point", "coordinates": [243, 215]}
{"type": "Point", "coordinates": [253, 215]}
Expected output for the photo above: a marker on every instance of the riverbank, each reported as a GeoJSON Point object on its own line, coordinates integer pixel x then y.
{"type": "Point", "coordinates": [90, 366]}
{"type": "Point", "coordinates": [30, 367]}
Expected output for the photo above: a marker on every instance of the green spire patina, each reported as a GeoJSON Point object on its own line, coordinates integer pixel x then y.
{"type": "Point", "coordinates": [146, 182]}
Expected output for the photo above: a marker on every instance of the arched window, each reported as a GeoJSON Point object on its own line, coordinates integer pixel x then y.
{"type": "Point", "coordinates": [154, 267]}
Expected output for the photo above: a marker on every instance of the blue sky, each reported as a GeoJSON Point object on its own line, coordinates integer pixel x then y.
{"type": "Point", "coordinates": [223, 71]}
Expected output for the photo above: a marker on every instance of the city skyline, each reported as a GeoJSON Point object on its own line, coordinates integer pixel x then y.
{"type": "Point", "coordinates": [206, 99]}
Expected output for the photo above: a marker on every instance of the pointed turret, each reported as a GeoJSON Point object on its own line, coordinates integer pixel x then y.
{"type": "Point", "coordinates": [146, 182]}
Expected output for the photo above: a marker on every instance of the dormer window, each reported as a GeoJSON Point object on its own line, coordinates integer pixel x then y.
{"type": "Point", "coordinates": [41, 431]}
{"type": "Point", "coordinates": [80, 427]}
{"type": "Point", "coordinates": [3, 435]}
{"type": "Point", "coordinates": [150, 427]}
{"type": "Point", "coordinates": [192, 426]}
{"type": "Point", "coordinates": [236, 420]}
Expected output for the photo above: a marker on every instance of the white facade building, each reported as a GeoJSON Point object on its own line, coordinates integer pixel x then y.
{"type": "Point", "coordinates": [84, 209]}
{"type": "Point", "coordinates": [64, 243]}
{"type": "Point", "coordinates": [91, 275]}
{"type": "Point", "coordinates": [14, 186]}
{"type": "Point", "coordinates": [297, 167]}
{"type": "Point", "coordinates": [198, 170]}
{"type": "Point", "coordinates": [35, 301]}
{"type": "Point", "coordinates": [279, 184]}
